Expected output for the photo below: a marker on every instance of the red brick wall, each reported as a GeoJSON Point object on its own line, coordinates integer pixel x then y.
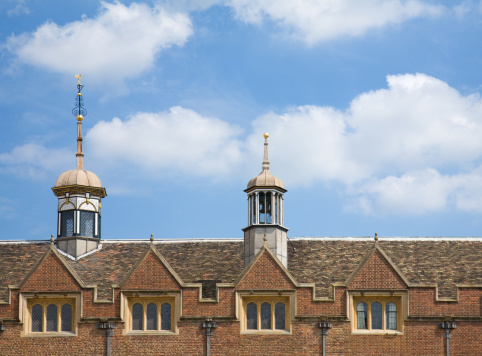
{"type": "Point", "coordinates": [377, 274]}
{"type": "Point", "coordinates": [265, 274]}
{"type": "Point", "coordinates": [422, 303]}
{"type": "Point", "coordinates": [51, 275]}
{"type": "Point", "coordinates": [151, 274]}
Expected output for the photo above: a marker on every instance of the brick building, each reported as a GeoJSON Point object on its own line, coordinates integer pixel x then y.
{"type": "Point", "coordinates": [262, 295]}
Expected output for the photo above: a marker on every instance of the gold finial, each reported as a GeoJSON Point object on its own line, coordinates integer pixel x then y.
{"type": "Point", "coordinates": [376, 237]}
{"type": "Point", "coordinates": [80, 118]}
{"type": "Point", "coordinates": [266, 135]}
{"type": "Point", "coordinates": [152, 237]}
{"type": "Point", "coordinates": [78, 76]}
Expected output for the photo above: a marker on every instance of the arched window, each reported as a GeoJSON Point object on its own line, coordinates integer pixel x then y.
{"type": "Point", "coordinates": [166, 316]}
{"type": "Point", "coordinates": [251, 316]}
{"type": "Point", "coordinates": [391, 316]}
{"type": "Point", "coordinates": [52, 317]}
{"type": "Point", "coordinates": [266, 316]}
{"type": "Point", "coordinates": [66, 317]}
{"type": "Point", "coordinates": [361, 316]}
{"type": "Point", "coordinates": [376, 316]}
{"type": "Point", "coordinates": [279, 316]}
{"type": "Point", "coordinates": [151, 316]}
{"type": "Point", "coordinates": [37, 318]}
{"type": "Point", "coordinates": [137, 317]}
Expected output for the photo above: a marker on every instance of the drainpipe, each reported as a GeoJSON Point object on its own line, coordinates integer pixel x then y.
{"type": "Point", "coordinates": [324, 325]}
{"type": "Point", "coordinates": [448, 326]}
{"type": "Point", "coordinates": [108, 333]}
{"type": "Point", "coordinates": [209, 325]}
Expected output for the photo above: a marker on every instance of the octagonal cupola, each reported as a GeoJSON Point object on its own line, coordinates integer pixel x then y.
{"type": "Point", "coordinates": [79, 194]}
{"type": "Point", "coordinates": [265, 214]}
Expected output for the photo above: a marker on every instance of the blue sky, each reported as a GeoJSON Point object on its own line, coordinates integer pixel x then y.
{"type": "Point", "coordinates": [373, 109]}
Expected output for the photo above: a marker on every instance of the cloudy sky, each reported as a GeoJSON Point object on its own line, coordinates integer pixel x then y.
{"type": "Point", "coordinates": [373, 109]}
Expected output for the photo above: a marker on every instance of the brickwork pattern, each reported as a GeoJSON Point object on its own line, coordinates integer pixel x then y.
{"type": "Point", "coordinates": [377, 273]}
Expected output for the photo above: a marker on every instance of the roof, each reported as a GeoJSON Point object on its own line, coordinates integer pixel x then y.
{"type": "Point", "coordinates": [322, 261]}
{"type": "Point", "coordinates": [78, 177]}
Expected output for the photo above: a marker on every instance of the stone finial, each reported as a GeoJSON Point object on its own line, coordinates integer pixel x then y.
{"type": "Point", "coordinates": [376, 237]}
{"type": "Point", "coordinates": [152, 238]}
{"type": "Point", "coordinates": [265, 239]}
{"type": "Point", "coordinates": [52, 239]}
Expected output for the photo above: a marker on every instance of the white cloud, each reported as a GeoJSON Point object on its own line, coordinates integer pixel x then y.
{"type": "Point", "coordinates": [409, 148]}
{"type": "Point", "coordinates": [179, 141]}
{"type": "Point", "coordinates": [121, 42]}
{"type": "Point", "coordinates": [35, 161]}
{"type": "Point", "coordinates": [316, 21]}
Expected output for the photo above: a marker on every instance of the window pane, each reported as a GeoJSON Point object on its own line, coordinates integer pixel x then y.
{"type": "Point", "coordinates": [166, 316]}
{"type": "Point", "coordinates": [269, 218]}
{"type": "Point", "coordinates": [391, 316]}
{"type": "Point", "coordinates": [137, 316]}
{"type": "Point", "coordinates": [376, 316]}
{"type": "Point", "coordinates": [251, 316]}
{"type": "Point", "coordinates": [265, 316]}
{"type": "Point", "coordinates": [52, 317]}
{"type": "Point", "coordinates": [262, 207]}
{"type": "Point", "coordinates": [361, 316]}
{"type": "Point", "coordinates": [151, 316]}
{"type": "Point", "coordinates": [67, 223]}
{"type": "Point", "coordinates": [87, 223]}
{"type": "Point", "coordinates": [66, 317]}
{"type": "Point", "coordinates": [279, 316]}
{"type": "Point", "coordinates": [37, 317]}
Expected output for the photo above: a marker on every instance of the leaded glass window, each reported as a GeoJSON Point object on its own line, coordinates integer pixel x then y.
{"type": "Point", "coordinates": [67, 223]}
{"type": "Point", "coordinates": [391, 316]}
{"type": "Point", "coordinates": [251, 316]}
{"type": "Point", "coordinates": [279, 316]}
{"type": "Point", "coordinates": [87, 223]}
{"type": "Point", "coordinates": [361, 316]}
{"type": "Point", "coordinates": [37, 318]}
{"type": "Point", "coordinates": [265, 316]}
{"type": "Point", "coordinates": [166, 316]}
{"type": "Point", "coordinates": [265, 313]}
{"type": "Point", "coordinates": [52, 317]}
{"type": "Point", "coordinates": [376, 316]}
{"type": "Point", "coordinates": [151, 316]}
{"type": "Point", "coordinates": [66, 317]}
{"type": "Point", "coordinates": [137, 316]}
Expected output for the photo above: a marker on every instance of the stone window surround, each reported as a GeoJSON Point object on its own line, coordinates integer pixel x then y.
{"type": "Point", "coordinates": [27, 300]}
{"type": "Point", "coordinates": [400, 297]}
{"type": "Point", "coordinates": [129, 298]}
{"type": "Point", "coordinates": [287, 297]}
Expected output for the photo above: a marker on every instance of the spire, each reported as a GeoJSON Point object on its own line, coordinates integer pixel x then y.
{"type": "Point", "coordinates": [79, 111]}
{"type": "Point", "coordinates": [265, 159]}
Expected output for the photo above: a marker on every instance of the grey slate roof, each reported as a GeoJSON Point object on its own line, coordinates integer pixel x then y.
{"type": "Point", "coordinates": [317, 260]}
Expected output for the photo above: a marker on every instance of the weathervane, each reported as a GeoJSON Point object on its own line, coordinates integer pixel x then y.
{"type": "Point", "coordinates": [79, 110]}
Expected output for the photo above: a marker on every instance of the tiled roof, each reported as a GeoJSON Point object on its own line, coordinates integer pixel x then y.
{"type": "Point", "coordinates": [316, 260]}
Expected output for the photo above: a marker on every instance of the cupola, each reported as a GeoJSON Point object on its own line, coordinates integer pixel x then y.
{"type": "Point", "coordinates": [265, 214]}
{"type": "Point", "coordinates": [79, 194]}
